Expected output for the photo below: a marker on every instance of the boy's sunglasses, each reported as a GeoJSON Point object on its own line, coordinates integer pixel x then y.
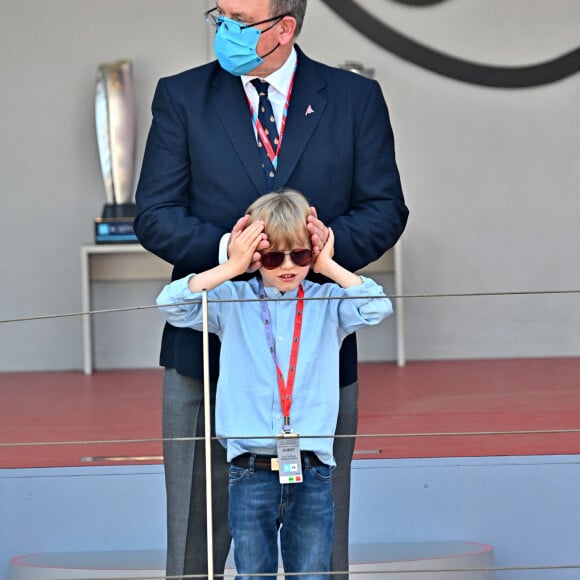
{"type": "Point", "coordinates": [271, 260]}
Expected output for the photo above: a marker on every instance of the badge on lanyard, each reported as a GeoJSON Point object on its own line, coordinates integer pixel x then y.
{"type": "Point", "coordinates": [289, 458]}
{"type": "Point", "coordinates": [288, 461]}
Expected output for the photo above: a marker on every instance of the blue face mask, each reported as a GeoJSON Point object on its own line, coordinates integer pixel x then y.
{"type": "Point", "coordinates": [235, 45]}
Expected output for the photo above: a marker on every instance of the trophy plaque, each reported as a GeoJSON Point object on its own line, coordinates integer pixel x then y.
{"type": "Point", "coordinates": [115, 119]}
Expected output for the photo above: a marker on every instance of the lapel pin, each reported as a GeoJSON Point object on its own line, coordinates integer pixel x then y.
{"type": "Point", "coordinates": [309, 111]}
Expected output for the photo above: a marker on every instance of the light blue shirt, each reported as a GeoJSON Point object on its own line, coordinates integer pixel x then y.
{"type": "Point", "coordinates": [248, 400]}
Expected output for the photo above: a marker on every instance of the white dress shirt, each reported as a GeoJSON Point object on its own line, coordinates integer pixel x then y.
{"type": "Point", "coordinates": [279, 86]}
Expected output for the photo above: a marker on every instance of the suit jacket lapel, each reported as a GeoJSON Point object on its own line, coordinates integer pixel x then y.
{"type": "Point", "coordinates": [307, 104]}
{"type": "Point", "coordinates": [232, 108]}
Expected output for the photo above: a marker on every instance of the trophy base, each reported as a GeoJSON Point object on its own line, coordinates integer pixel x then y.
{"type": "Point", "coordinates": [115, 226]}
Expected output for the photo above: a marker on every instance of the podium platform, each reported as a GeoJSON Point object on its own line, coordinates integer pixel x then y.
{"type": "Point", "coordinates": [412, 561]}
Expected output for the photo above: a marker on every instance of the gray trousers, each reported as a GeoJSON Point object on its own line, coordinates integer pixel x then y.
{"type": "Point", "coordinates": [183, 417]}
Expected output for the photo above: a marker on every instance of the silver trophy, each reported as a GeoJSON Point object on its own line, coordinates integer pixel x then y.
{"type": "Point", "coordinates": [358, 68]}
{"type": "Point", "coordinates": [116, 127]}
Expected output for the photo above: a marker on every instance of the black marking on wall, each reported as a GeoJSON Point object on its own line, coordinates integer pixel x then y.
{"type": "Point", "coordinates": [450, 66]}
{"type": "Point", "coordinates": [419, 2]}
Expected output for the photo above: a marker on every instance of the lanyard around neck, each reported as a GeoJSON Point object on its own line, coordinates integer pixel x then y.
{"type": "Point", "coordinates": [285, 388]}
{"type": "Point", "coordinates": [272, 154]}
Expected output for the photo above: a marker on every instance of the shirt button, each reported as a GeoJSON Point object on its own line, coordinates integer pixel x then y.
{"type": "Point", "coordinates": [278, 417]}
{"type": "Point", "coordinates": [280, 339]}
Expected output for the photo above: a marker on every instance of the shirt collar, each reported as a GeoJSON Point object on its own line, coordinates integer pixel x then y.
{"type": "Point", "coordinates": [281, 78]}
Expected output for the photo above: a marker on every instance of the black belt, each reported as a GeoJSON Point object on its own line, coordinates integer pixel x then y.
{"type": "Point", "coordinates": [265, 461]}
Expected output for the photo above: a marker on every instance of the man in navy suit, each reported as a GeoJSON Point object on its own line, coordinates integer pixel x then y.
{"type": "Point", "coordinates": [207, 158]}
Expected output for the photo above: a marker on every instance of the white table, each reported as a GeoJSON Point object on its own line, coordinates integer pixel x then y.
{"type": "Point", "coordinates": [113, 262]}
{"type": "Point", "coordinates": [392, 261]}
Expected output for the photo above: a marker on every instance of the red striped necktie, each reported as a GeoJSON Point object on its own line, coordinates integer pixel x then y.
{"type": "Point", "coordinates": [268, 121]}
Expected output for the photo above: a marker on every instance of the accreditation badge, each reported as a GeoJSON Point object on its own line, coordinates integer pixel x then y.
{"type": "Point", "coordinates": [289, 459]}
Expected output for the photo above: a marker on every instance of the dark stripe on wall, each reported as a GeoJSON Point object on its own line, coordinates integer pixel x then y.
{"type": "Point", "coordinates": [449, 66]}
{"type": "Point", "coordinates": [419, 2]}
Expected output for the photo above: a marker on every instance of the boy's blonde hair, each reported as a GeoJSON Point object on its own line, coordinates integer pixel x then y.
{"type": "Point", "coordinates": [284, 214]}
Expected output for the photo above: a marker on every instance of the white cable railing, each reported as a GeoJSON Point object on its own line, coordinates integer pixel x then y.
{"type": "Point", "coordinates": [112, 458]}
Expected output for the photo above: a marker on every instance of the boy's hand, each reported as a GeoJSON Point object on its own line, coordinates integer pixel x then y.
{"type": "Point", "coordinates": [324, 264]}
{"type": "Point", "coordinates": [264, 244]}
{"type": "Point", "coordinates": [325, 257]}
{"type": "Point", "coordinates": [243, 245]}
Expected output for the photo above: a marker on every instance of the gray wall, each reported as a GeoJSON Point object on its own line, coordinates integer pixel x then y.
{"type": "Point", "coordinates": [490, 175]}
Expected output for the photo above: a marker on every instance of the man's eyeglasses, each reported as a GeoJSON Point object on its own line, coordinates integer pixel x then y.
{"type": "Point", "coordinates": [214, 18]}
{"type": "Point", "coordinates": [272, 260]}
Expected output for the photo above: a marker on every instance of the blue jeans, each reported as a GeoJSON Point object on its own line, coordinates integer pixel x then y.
{"type": "Point", "coordinates": [259, 506]}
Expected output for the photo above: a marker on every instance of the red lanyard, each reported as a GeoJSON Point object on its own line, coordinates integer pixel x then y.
{"type": "Point", "coordinates": [272, 155]}
{"type": "Point", "coordinates": [285, 388]}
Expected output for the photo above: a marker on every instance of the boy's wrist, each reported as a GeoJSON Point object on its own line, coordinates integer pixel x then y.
{"type": "Point", "coordinates": [324, 267]}
{"type": "Point", "coordinates": [233, 268]}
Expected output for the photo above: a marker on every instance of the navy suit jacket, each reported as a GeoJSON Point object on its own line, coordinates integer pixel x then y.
{"type": "Point", "coordinates": [202, 169]}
